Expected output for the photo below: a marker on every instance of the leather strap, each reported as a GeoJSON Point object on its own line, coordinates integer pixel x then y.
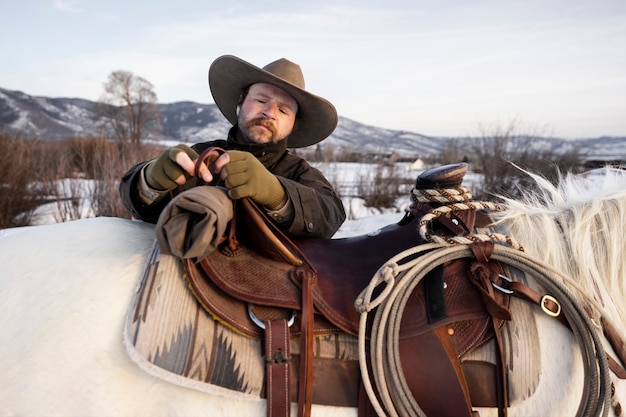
{"type": "Point", "coordinates": [523, 291]}
{"type": "Point", "coordinates": [484, 282]}
{"type": "Point", "coordinates": [305, 383]}
{"type": "Point", "coordinates": [619, 346]}
{"type": "Point", "coordinates": [549, 305]}
{"type": "Point", "coordinates": [444, 338]}
{"type": "Point", "coordinates": [502, 392]}
{"type": "Point", "coordinates": [277, 368]}
{"type": "Point", "coordinates": [365, 408]}
{"type": "Point", "coordinates": [429, 359]}
{"type": "Point", "coordinates": [482, 250]}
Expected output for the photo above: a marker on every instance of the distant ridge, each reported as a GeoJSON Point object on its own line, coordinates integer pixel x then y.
{"type": "Point", "coordinates": [189, 122]}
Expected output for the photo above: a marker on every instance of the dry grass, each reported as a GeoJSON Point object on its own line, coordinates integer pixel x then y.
{"type": "Point", "coordinates": [32, 174]}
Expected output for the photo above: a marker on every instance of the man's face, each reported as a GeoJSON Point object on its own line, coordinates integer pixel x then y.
{"type": "Point", "coordinates": [267, 114]}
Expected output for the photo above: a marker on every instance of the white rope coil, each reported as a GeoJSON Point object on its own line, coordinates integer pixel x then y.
{"type": "Point", "coordinates": [402, 273]}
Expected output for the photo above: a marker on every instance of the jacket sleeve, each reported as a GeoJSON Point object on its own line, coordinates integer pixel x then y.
{"type": "Point", "coordinates": [130, 197]}
{"type": "Point", "coordinates": [318, 211]}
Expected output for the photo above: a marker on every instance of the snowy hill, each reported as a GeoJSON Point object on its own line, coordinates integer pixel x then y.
{"type": "Point", "coordinates": [59, 118]}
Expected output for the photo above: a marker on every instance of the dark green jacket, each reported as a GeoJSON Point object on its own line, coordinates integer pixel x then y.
{"type": "Point", "coordinates": [318, 210]}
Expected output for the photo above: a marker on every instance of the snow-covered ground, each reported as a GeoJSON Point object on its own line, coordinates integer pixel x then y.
{"type": "Point", "coordinates": [345, 176]}
{"type": "Point", "coordinates": [361, 219]}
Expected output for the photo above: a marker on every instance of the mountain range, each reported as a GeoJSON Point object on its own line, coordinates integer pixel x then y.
{"type": "Point", "coordinates": [47, 118]}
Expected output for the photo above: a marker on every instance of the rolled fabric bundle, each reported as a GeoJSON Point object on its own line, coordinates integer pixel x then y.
{"type": "Point", "coordinates": [193, 223]}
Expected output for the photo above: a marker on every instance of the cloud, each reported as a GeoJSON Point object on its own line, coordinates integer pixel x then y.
{"type": "Point", "coordinates": [416, 65]}
{"type": "Point", "coordinates": [71, 6]}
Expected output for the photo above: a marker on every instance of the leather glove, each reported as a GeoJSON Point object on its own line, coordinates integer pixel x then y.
{"type": "Point", "coordinates": [161, 174]}
{"type": "Point", "coordinates": [247, 177]}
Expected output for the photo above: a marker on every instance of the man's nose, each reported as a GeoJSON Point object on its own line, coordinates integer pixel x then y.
{"type": "Point", "coordinates": [270, 110]}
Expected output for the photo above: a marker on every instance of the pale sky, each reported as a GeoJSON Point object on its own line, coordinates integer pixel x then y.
{"type": "Point", "coordinates": [435, 67]}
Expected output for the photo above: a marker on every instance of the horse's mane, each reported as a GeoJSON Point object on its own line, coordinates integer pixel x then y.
{"type": "Point", "coordinates": [579, 227]}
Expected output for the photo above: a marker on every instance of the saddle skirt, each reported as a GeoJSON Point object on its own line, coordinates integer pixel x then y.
{"type": "Point", "coordinates": [171, 336]}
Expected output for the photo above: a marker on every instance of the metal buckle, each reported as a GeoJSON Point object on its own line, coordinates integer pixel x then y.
{"type": "Point", "coordinates": [502, 289]}
{"type": "Point", "coordinates": [546, 309]}
{"type": "Point", "coordinates": [260, 323]}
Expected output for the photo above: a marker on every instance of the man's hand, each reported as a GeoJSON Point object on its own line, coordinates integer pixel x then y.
{"type": "Point", "coordinates": [174, 167]}
{"type": "Point", "coordinates": [247, 177]}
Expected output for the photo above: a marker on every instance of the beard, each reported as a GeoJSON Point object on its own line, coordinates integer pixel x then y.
{"type": "Point", "coordinates": [247, 128]}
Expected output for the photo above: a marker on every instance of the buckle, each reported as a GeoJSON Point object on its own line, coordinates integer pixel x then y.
{"type": "Point", "coordinates": [545, 308]}
{"type": "Point", "coordinates": [260, 323]}
{"type": "Point", "coordinates": [502, 289]}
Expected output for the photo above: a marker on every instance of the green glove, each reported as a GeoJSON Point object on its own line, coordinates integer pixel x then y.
{"type": "Point", "coordinates": [247, 177]}
{"type": "Point", "coordinates": [161, 174]}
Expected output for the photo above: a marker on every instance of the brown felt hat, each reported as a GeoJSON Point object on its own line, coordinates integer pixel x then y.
{"type": "Point", "coordinates": [229, 76]}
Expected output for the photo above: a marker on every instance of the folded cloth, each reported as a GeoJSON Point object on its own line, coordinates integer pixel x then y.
{"type": "Point", "coordinates": [193, 223]}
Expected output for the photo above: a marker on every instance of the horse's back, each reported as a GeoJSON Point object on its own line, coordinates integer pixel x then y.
{"type": "Point", "coordinates": [64, 290]}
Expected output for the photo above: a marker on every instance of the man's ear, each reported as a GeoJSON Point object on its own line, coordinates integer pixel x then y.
{"type": "Point", "coordinates": [237, 109]}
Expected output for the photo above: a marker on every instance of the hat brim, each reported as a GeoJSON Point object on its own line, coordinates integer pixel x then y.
{"type": "Point", "coordinates": [229, 76]}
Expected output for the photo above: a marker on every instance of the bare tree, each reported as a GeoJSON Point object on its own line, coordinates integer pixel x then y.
{"type": "Point", "coordinates": [129, 107]}
{"type": "Point", "coordinates": [500, 153]}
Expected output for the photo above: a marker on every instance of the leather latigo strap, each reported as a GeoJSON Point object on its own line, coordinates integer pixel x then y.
{"type": "Point", "coordinates": [305, 383]}
{"type": "Point", "coordinates": [619, 346]}
{"type": "Point", "coordinates": [208, 157]}
{"type": "Point", "coordinates": [277, 368]}
{"type": "Point", "coordinates": [436, 348]}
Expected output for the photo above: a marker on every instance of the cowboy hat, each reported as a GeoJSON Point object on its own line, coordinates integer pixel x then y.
{"type": "Point", "coordinates": [229, 76]}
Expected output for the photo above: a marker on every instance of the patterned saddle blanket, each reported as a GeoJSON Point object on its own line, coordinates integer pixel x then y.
{"type": "Point", "coordinates": [170, 335]}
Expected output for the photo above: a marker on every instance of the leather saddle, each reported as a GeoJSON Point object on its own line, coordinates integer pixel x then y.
{"type": "Point", "coordinates": [259, 277]}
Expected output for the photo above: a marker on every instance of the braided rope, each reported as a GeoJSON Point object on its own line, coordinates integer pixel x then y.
{"type": "Point", "coordinates": [441, 195]}
{"type": "Point", "coordinates": [456, 199]}
{"type": "Point", "coordinates": [463, 240]}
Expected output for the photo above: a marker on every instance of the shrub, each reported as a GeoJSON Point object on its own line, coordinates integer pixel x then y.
{"type": "Point", "coordinates": [19, 172]}
{"type": "Point", "coordinates": [80, 175]}
{"type": "Point", "coordinates": [381, 186]}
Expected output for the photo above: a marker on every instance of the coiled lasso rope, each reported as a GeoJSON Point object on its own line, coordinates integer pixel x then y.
{"type": "Point", "coordinates": [402, 273]}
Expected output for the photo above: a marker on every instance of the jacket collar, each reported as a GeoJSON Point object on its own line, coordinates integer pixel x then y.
{"type": "Point", "coordinates": [268, 153]}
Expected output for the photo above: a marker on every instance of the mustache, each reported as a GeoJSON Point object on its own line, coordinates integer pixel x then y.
{"type": "Point", "coordinates": [261, 121]}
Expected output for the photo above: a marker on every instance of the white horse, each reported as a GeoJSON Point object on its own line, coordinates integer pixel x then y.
{"type": "Point", "coordinates": [65, 290]}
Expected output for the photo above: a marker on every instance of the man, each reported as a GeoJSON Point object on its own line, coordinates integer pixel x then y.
{"type": "Point", "coordinates": [270, 111]}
